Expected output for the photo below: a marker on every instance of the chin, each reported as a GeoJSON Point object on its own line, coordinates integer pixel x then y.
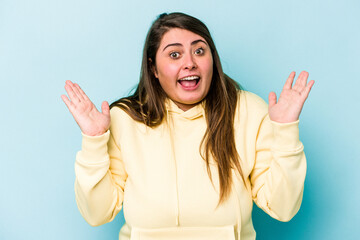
{"type": "Point", "coordinates": [191, 100]}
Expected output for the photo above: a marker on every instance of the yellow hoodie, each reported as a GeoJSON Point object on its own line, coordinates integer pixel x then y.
{"type": "Point", "coordinates": [162, 181]}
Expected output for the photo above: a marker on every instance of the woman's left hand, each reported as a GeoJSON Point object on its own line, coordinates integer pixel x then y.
{"type": "Point", "coordinates": [292, 98]}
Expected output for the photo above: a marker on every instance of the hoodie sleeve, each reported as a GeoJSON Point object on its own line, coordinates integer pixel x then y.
{"type": "Point", "coordinates": [100, 179]}
{"type": "Point", "coordinates": [278, 175]}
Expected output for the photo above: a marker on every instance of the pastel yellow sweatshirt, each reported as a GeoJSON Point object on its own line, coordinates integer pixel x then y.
{"type": "Point", "coordinates": [160, 179]}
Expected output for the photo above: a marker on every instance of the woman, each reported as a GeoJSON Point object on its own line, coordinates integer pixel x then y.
{"type": "Point", "coordinates": [188, 152]}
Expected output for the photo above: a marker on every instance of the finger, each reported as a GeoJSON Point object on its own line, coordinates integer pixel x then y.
{"type": "Point", "coordinates": [69, 104]}
{"type": "Point", "coordinates": [300, 83]}
{"type": "Point", "coordinates": [308, 87]}
{"type": "Point", "coordinates": [105, 109]}
{"type": "Point", "coordinates": [272, 99]}
{"type": "Point", "coordinates": [77, 92]}
{"type": "Point", "coordinates": [289, 81]}
{"type": "Point", "coordinates": [70, 91]}
{"type": "Point", "coordinates": [68, 82]}
{"type": "Point", "coordinates": [84, 96]}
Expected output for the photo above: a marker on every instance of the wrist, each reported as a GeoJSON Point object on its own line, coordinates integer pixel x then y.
{"type": "Point", "coordinates": [93, 134]}
{"type": "Point", "coordinates": [284, 120]}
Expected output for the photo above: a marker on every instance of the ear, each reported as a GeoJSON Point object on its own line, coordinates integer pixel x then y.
{"type": "Point", "coordinates": [153, 68]}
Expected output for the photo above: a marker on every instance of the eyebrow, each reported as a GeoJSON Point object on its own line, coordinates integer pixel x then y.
{"type": "Point", "coordinates": [179, 44]}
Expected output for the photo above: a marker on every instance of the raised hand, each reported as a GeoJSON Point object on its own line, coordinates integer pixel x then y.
{"type": "Point", "coordinates": [90, 120]}
{"type": "Point", "coordinates": [292, 98]}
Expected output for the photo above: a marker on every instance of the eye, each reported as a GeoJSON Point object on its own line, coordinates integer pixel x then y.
{"type": "Point", "coordinates": [199, 51]}
{"type": "Point", "coordinates": [174, 55]}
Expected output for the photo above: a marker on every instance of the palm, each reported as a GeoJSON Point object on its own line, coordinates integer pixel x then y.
{"type": "Point", "coordinates": [90, 120]}
{"type": "Point", "coordinates": [291, 100]}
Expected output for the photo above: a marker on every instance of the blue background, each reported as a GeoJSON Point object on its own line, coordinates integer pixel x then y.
{"type": "Point", "coordinates": [98, 44]}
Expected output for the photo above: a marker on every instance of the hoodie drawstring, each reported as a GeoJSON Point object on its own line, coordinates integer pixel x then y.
{"type": "Point", "coordinates": [238, 210]}
{"type": "Point", "coordinates": [174, 157]}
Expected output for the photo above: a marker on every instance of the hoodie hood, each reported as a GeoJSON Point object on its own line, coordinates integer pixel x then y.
{"type": "Point", "coordinates": [191, 114]}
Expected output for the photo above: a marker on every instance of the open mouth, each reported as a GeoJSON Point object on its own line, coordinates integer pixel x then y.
{"type": "Point", "coordinates": [189, 82]}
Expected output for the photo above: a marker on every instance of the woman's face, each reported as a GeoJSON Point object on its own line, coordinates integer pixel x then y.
{"type": "Point", "coordinates": [184, 67]}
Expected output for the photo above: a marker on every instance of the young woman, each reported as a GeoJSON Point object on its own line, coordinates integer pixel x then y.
{"type": "Point", "coordinates": [188, 152]}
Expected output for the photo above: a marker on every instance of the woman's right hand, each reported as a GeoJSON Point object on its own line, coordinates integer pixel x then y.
{"type": "Point", "coordinates": [90, 120]}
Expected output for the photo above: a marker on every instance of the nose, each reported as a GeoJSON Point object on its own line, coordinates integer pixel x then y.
{"type": "Point", "coordinates": [189, 62]}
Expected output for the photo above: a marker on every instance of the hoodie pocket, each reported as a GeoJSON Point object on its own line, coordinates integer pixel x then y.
{"type": "Point", "coordinates": [184, 233]}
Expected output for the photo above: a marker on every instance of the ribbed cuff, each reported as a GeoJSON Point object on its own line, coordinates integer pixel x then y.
{"type": "Point", "coordinates": [286, 136]}
{"type": "Point", "coordinates": [94, 148]}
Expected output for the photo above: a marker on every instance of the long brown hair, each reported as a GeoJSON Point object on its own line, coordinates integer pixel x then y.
{"type": "Point", "coordinates": [147, 103]}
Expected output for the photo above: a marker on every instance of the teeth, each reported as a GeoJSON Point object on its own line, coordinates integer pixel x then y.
{"type": "Point", "coordinates": [190, 78]}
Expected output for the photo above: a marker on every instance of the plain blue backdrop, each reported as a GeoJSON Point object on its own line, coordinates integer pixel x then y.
{"type": "Point", "coordinates": [98, 44]}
